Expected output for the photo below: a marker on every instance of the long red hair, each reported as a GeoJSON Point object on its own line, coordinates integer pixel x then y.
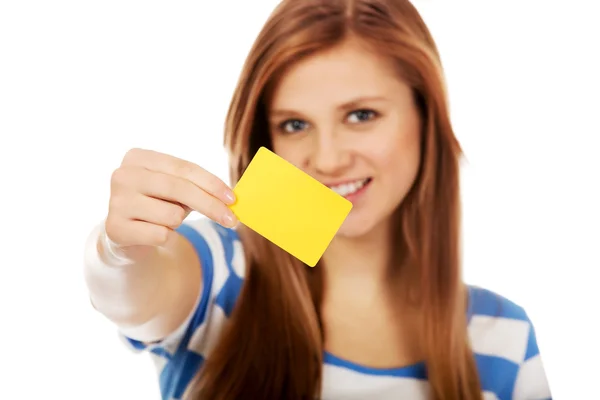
{"type": "Point", "coordinates": [272, 347]}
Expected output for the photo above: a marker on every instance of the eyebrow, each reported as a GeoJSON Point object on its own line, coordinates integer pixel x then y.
{"type": "Point", "coordinates": [347, 106]}
{"type": "Point", "coordinates": [355, 103]}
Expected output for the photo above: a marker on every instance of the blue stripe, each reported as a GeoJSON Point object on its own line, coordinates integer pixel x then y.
{"type": "Point", "coordinates": [488, 303]}
{"type": "Point", "coordinates": [136, 344]}
{"type": "Point", "coordinates": [416, 371]}
{"type": "Point", "coordinates": [532, 346]}
{"type": "Point", "coordinates": [227, 297]}
{"type": "Point", "coordinates": [192, 364]}
{"type": "Point", "coordinates": [162, 352]}
{"type": "Point", "coordinates": [497, 375]}
{"type": "Point", "coordinates": [177, 375]}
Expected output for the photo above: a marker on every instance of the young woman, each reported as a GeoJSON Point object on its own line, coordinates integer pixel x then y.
{"type": "Point", "coordinates": [351, 92]}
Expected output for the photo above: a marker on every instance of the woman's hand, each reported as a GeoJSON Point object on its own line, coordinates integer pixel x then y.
{"type": "Point", "coordinates": [152, 193]}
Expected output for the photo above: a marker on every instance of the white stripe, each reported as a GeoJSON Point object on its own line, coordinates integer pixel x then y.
{"type": "Point", "coordinates": [239, 261]}
{"type": "Point", "coordinates": [489, 396]}
{"type": "Point", "coordinates": [531, 383]}
{"type": "Point", "coordinates": [159, 362]}
{"type": "Point", "coordinates": [344, 383]}
{"type": "Point", "coordinates": [206, 336]}
{"type": "Point", "coordinates": [499, 337]}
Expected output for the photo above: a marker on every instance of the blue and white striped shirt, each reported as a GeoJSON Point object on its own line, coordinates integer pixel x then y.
{"type": "Point", "coordinates": [501, 334]}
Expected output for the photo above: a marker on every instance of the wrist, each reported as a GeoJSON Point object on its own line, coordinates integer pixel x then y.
{"type": "Point", "coordinates": [101, 250]}
{"type": "Point", "coordinates": [110, 252]}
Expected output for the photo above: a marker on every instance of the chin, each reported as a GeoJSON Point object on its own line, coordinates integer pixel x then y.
{"type": "Point", "coordinates": [356, 226]}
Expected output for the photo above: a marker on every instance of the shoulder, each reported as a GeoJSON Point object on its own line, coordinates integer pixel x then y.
{"type": "Point", "coordinates": [499, 327]}
{"type": "Point", "coordinates": [503, 339]}
{"type": "Point", "coordinates": [486, 303]}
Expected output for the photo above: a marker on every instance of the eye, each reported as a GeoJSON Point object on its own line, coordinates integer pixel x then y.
{"type": "Point", "coordinates": [359, 116]}
{"type": "Point", "coordinates": [292, 126]}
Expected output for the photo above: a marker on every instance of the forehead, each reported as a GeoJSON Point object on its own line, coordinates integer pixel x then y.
{"type": "Point", "coordinates": [335, 76]}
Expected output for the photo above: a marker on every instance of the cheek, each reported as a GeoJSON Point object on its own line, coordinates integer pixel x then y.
{"type": "Point", "coordinates": [290, 150]}
{"type": "Point", "coordinates": [397, 162]}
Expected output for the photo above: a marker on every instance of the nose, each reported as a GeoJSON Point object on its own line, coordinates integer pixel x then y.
{"type": "Point", "coordinates": [329, 156]}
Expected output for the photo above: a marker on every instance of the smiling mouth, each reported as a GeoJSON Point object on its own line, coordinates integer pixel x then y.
{"type": "Point", "coordinates": [348, 188]}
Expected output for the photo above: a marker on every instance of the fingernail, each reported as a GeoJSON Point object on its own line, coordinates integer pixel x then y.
{"type": "Point", "coordinates": [230, 197]}
{"type": "Point", "coordinates": [229, 220]}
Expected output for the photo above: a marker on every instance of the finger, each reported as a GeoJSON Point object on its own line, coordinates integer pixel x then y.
{"type": "Point", "coordinates": [170, 188]}
{"type": "Point", "coordinates": [155, 211]}
{"type": "Point", "coordinates": [159, 162]}
{"type": "Point", "coordinates": [177, 190]}
{"type": "Point", "coordinates": [126, 232]}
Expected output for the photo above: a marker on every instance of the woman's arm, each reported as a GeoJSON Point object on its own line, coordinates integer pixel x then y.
{"type": "Point", "coordinates": [147, 299]}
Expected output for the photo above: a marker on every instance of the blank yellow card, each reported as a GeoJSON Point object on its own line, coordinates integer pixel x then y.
{"type": "Point", "coordinates": [289, 207]}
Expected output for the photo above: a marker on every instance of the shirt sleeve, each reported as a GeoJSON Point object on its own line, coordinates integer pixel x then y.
{"type": "Point", "coordinates": [179, 356]}
{"type": "Point", "coordinates": [532, 382]}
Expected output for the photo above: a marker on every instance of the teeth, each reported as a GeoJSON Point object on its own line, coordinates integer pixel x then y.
{"type": "Point", "coordinates": [349, 188]}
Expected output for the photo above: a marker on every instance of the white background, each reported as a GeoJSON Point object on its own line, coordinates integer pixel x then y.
{"type": "Point", "coordinates": [81, 82]}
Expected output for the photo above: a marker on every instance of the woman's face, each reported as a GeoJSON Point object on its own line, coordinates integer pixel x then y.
{"type": "Point", "coordinates": [344, 117]}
